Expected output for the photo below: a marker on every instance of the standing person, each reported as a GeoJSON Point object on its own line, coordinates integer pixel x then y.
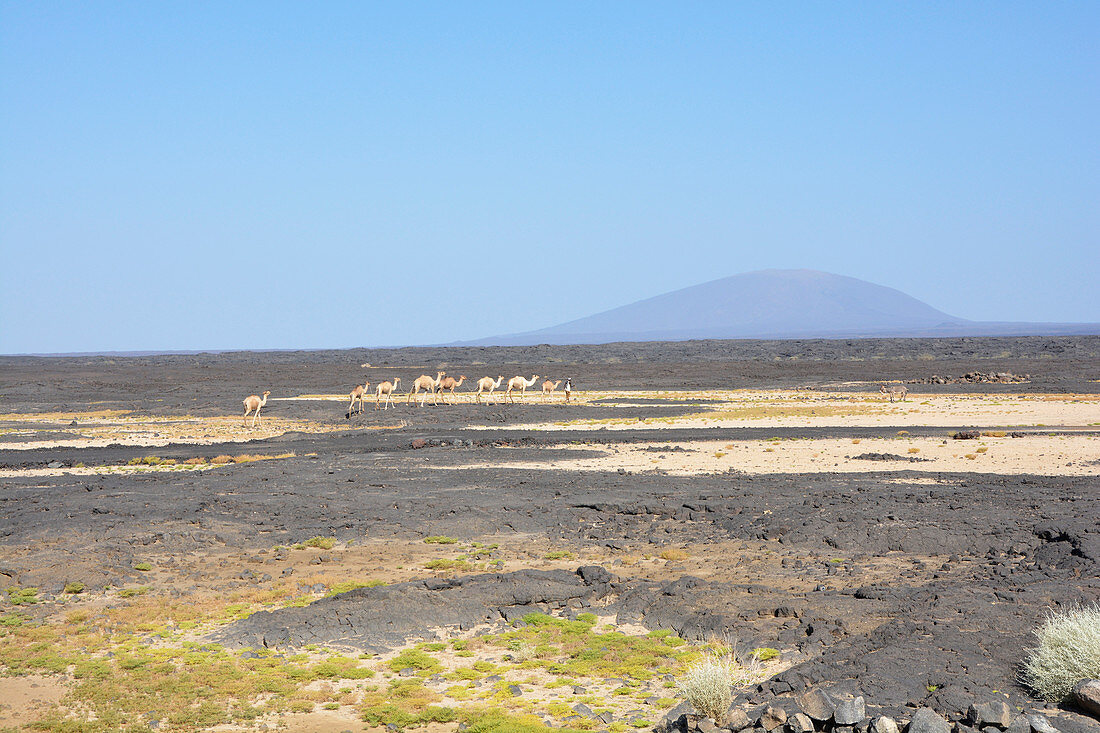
{"type": "Point", "coordinates": [568, 388]}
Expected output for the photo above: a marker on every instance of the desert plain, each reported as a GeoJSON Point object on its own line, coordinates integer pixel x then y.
{"type": "Point", "coordinates": [539, 563]}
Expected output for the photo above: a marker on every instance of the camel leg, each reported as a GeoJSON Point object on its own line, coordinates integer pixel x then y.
{"type": "Point", "coordinates": [244, 421]}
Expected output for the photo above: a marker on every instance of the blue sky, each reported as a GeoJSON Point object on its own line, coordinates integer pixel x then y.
{"type": "Point", "coordinates": [281, 175]}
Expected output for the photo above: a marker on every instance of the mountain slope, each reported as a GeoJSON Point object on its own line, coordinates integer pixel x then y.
{"type": "Point", "coordinates": [764, 304]}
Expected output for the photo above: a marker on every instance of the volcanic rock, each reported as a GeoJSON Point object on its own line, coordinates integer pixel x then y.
{"type": "Point", "coordinates": [1087, 696]}
{"type": "Point", "coordinates": [850, 712]}
{"type": "Point", "coordinates": [816, 703]}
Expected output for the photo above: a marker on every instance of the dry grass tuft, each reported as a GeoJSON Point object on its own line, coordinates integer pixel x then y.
{"type": "Point", "coordinates": [706, 685]}
{"type": "Point", "coordinates": [1068, 651]}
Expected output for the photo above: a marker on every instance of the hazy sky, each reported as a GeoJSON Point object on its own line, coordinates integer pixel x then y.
{"type": "Point", "coordinates": [278, 175]}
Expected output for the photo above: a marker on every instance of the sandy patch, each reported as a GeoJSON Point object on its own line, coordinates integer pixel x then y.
{"type": "Point", "coordinates": [26, 699]}
{"type": "Point", "coordinates": [1075, 455]}
{"type": "Point", "coordinates": [100, 429]}
{"type": "Point", "coordinates": [778, 408]}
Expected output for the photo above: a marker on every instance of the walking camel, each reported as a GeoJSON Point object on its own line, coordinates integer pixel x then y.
{"type": "Point", "coordinates": [449, 385]}
{"type": "Point", "coordinates": [486, 385]}
{"type": "Point", "coordinates": [357, 395]}
{"type": "Point", "coordinates": [520, 384]}
{"type": "Point", "coordinates": [386, 388]}
{"type": "Point", "coordinates": [548, 388]}
{"type": "Point", "coordinates": [426, 383]}
{"type": "Point", "coordinates": [254, 403]}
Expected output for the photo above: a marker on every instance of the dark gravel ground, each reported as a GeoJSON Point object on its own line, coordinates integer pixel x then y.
{"type": "Point", "coordinates": [979, 558]}
{"type": "Point", "coordinates": [214, 384]}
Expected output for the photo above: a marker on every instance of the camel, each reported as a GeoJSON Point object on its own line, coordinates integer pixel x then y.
{"type": "Point", "coordinates": [548, 388]}
{"type": "Point", "coordinates": [894, 389]}
{"type": "Point", "coordinates": [519, 383]}
{"type": "Point", "coordinates": [386, 388]}
{"type": "Point", "coordinates": [253, 402]}
{"type": "Point", "coordinates": [486, 385]}
{"type": "Point", "coordinates": [449, 385]}
{"type": "Point", "coordinates": [426, 383]}
{"type": "Point", "coordinates": [357, 395]}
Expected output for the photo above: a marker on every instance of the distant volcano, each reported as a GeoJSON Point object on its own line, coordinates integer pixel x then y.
{"type": "Point", "coordinates": [776, 304]}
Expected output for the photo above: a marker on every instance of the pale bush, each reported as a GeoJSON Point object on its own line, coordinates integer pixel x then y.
{"type": "Point", "coordinates": [706, 684]}
{"type": "Point", "coordinates": [1068, 651]}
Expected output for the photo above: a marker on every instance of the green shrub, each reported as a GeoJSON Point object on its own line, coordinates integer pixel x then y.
{"type": "Point", "coordinates": [75, 587]}
{"type": "Point", "coordinates": [440, 540]}
{"type": "Point", "coordinates": [442, 564]}
{"type": "Point", "coordinates": [418, 660]}
{"type": "Point", "coordinates": [19, 596]}
{"type": "Point", "coordinates": [131, 592]}
{"type": "Point", "coordinates": [325, 543]}
{"type": "Point", "coordinates": [143, 566]}
{"type": "Point", "coordinates": [1068, 651]}
{"type": "Point", "coordinates": [764, 653]}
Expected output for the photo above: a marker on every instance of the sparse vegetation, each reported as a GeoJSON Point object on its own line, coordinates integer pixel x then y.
{"type": "Point", "coordinates": [1068, 651]}
{"type": "Point", "coordinates": [442, 564]}
{"type": "Point", "coordinates": [74, 588]}
{"type": "Point", "coordinates": [440, 540]}
{"type": "Point", "coordinates": [132, 592]}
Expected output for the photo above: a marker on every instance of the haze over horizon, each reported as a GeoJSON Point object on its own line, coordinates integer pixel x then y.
{"type": "Point", "coordinates": [178, 177]}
